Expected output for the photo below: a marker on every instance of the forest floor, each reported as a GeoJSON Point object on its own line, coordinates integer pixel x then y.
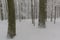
{"type": "Point", "coordinates": [27, 31]}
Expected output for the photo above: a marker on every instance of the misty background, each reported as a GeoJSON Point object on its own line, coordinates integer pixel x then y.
{"type": "Point", "coordinates": [24, 8]}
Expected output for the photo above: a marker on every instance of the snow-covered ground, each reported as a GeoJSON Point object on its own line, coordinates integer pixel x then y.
{"type": "Point", "coordinates": [26, 31]}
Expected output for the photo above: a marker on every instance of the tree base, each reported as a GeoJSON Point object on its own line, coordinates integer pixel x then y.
{"type": "Point", "coordinates": [11, 35]}
{"type": "Point", "coordinates": [41, 26]}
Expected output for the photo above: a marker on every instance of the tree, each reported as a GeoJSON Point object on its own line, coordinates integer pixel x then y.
{"type": "Point", "coordinates": [19, 9]}
{"type": "Point", "coordinates": [32, 14]}
{"type": "Point", "coordinates": [6, 9]}
{"type": "Point", "coordinates": [2, 14]}
{"type": "Point", "coordinates": [1, 10]}
{"type": "Point", "coordinates": [35, 8]}
{"type": "Point", "coordinates": [11, 19]}
{"type": "Point", "coordinates": [42, 13]}
{"type": "Point", "coordinates": [28, 9]}
{"type": "Point", "coordinates": [55, 16]}
{"type": "Point", "coordinates": [52, 11]}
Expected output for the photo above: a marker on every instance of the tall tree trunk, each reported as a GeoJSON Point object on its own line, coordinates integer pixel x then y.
{"type": "Point", "coordinates": [55, 16]}
{"type": "Point", "coordinates": [19, 5]}
{"type": "Point", "coordinates": [32, 15]}
{"type": "Point", "coordinates": [28, 9]}
{"type": "Point", "coordinates": [59, 11]}
{"type": "Point", "coordinates": [19, 14]}
{"type": "Point", "coordinates": [11, 19]}
{"type": "Point", "coordinates": [35, 2]}
{"type": "Point", "coordinates": [2, 14]}
{"type": "Point", "coordinates": [6, 9]}
{"type": "Point", "coordinates": [42, 13]}
{"type": "Point", "coordinates": [1, 10]}
{"type": "Point", "coordinates": [35, 9]}
{"type": "Point", "coordinates": [52, 12]}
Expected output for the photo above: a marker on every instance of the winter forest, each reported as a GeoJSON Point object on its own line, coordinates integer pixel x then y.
{"type": "Point", "coordinates": [29, 20]}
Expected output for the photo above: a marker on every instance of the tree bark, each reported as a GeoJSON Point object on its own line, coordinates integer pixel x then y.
{"type": "Point", "coordinates": [52, 12]}
{"type": "Point", "coordinates": [42, 13]}
{"type": "Point", "coordinates": [11, 19]}
{"type": "Point", "coordinates": [1, 10]}
{"type": "Point", "coordinates": [32, 11]}
{"type": "Point", "coordinates": [2, 14]}
{"type": "Point", "coordinates": [55, 16]}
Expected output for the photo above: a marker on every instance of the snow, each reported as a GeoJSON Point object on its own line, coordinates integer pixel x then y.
{"type": "Point", "coordinates": [27, 31]}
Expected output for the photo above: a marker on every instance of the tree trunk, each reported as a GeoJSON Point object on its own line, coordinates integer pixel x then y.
{"type": "Point", "coordinates": [52, 12]}
{"type": "Point", "coordinates": [1, 10]}
{"type": "Point", "coordinates": [2, 14]}
{"type": "Point", "coordinates": [55, 16]}
{"type": "Point", "coordinates": [42, 13]}
{"type": "Point", "coordinates": [35, 9]}
{"type": "Point", "coordinates": [32, 15]}
{"type": "Point", "coordinates": [28, 9]}
{"type": "Point", "coordinates": [6, 9]}
{"type": "Point", "coordinates": [11, 19]}
{"type": "Point", "coordinates": [19, 5]}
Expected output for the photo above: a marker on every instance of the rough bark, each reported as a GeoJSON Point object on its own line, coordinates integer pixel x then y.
{"type": "Point", "coordinates": [32, 14]}
{"type": "Point", "coordinates": [2, 14]}
{"type": "Point", "coordinates": [52, 12]}
{"type": "Point", "coordinates": [1, 10]}
{"type": "Point", "coordinates": [42, 13]}
{"type": "Point", "coordinates": [11, 19]}
{"type": "Point", "coordinates": [55, 16]}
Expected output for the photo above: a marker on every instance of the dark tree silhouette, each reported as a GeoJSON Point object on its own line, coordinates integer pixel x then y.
{"type": "Point", "coordinates": [42, 12]}
{"type": "Point", "coordinates": [32, 13]}
{"type": "Point", "coordinates": [11, 19]}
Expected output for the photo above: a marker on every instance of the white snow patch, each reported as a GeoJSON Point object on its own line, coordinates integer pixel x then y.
{"type": "Point", "coordinates": [26, 31]}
